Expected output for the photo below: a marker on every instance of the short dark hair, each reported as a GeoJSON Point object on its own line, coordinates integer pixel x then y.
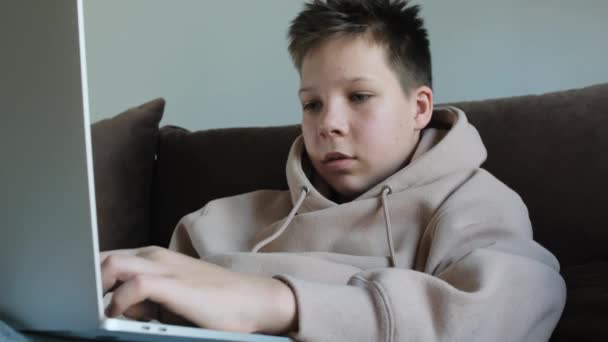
{"type": "Point", "coordinates": [393, 24]}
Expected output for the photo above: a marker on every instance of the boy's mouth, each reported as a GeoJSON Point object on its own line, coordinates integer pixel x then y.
{"type": "Point", "coordinates": [333, 156]}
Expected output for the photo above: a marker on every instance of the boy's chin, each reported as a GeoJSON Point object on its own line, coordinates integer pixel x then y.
{"type": "Point", "coordinates": [348, 190]}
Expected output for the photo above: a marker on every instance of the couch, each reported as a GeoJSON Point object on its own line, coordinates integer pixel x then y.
{"type": "Point", "coordinates": [551, 148]}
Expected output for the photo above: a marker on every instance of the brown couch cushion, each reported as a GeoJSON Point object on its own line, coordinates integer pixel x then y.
{"type": "Point", "coordinates": [195, 167]}
{"type": "Point", "coordinates": [552, 150]}
{"type": "Point", "coordinates": [586, 312]}
{"type": "Point", "coordinates": [123, 156]}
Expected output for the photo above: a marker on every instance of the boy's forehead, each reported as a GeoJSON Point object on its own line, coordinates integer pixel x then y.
{"type": "Point", "coordinates": [336, 48]}
{"type": "Point", "coordinates": [340, 61]}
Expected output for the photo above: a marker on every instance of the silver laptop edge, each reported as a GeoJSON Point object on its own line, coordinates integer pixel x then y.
{"type": "Point", "coordinates": [89, 156]}
{"type": "Point", "coordinates": [47, 243]}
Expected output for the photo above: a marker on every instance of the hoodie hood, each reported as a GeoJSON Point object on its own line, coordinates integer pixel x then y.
{"type": "Point", "coordinates": [448, 144]}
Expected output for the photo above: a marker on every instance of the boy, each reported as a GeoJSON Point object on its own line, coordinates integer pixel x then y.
{"type": "Point", "coordinates": [390, 230]}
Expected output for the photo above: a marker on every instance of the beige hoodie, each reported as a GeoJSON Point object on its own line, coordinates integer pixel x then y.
{"type": "Point", "coordinates": [439, 251]}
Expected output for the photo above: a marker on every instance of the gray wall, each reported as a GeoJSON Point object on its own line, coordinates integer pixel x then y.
{"type": "Point", "coordinates": [224, 63]}
{"type": "Point", "coordinates": [494, 48]}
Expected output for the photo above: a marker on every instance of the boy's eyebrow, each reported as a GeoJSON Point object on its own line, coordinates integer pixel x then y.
{"type": "Point", "coordinates": [305, 89]}
{"type": "Point", "coordinates": [348, 80]}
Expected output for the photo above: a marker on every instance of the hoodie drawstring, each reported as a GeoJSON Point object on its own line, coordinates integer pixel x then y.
{"type": "Point", "coordinates": [386, 190]}
{"type": "Point", "coordinates": [288, 220]}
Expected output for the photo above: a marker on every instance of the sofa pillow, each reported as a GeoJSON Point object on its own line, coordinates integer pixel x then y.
{"type": "Point", "coordinates": [124, 149]}
{"type": "Point", "coordinates": [195, 167]}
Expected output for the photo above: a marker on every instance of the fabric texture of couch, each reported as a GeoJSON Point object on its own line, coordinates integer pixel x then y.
{"type": "Point", "coordinates": [551, 148]}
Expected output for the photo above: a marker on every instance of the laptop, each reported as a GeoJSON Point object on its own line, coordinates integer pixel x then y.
{"type": "Point", "coordinates": [49, 260]}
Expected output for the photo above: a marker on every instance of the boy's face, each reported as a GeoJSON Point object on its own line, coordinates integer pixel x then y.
{"type": "Point", "coordinates": [359, 127]}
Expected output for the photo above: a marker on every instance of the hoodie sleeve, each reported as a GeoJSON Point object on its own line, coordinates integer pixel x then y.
{"type": "Point", "coordinates": [480, 277]}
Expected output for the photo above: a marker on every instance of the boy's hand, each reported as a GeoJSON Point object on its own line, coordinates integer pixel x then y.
{"type": "Point", "coordinates": [147, 282]}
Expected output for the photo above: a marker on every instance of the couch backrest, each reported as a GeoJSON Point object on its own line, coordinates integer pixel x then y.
{"type": "Point", "coordinates": [552, 149]}
{"type": "Point", "coordinates": [195, 167]}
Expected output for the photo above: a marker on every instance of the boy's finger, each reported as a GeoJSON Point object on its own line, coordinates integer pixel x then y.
{"type": "Point", "coordinates": [104, 255]}
{"type": "Point", "coordinates": [135, 291]}
{"type": "Point", "coordinates": [149, 252]}
{"type": "Point", "coordinates": [144, 311]}
{"type": "Point", "coordinates": [120, 268]}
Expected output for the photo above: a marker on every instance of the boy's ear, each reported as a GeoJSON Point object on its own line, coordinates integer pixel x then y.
{"type": "Point", "coordinates": [424, 106]}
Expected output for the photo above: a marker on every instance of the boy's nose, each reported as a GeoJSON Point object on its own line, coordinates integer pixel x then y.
{"type": "Point", "coordinates": [333, 122]}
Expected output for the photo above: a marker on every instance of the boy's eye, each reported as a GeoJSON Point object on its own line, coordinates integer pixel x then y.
{"type": "Point", "coordinates": [359, 97]}
{"type": "Point", "coordinates": [312, 106]}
